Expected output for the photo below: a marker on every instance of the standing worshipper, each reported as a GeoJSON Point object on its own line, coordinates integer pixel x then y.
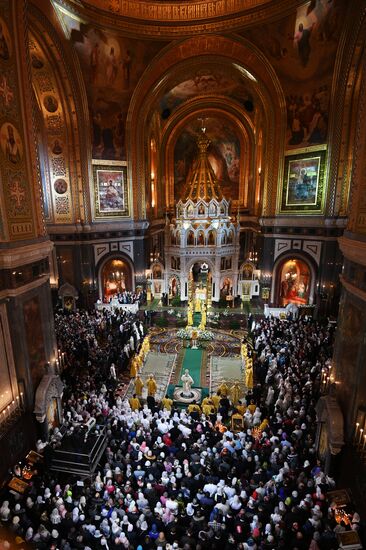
{"type": "Point", "coordinates": [112, 370]}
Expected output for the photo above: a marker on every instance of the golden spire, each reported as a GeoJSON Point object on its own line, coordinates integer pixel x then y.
{"type": "Point", "coordinates": [202, 182]}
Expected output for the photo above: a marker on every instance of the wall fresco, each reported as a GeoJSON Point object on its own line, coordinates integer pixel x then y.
{"type": "Point", "coordinates": [112, 66]}
{"type": "Point", "coordinates": [223, 154]}
{"type": "Point", "coordinates": [302, 49]}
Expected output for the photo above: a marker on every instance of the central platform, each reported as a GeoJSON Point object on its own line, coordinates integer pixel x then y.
{"type": "Point", "coordinates": [179, 397]}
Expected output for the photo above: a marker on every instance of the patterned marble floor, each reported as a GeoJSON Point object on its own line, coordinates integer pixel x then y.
{"type": "Point", "coordinates": [225, 344]}
{"type": "Point", "coordinates": [228, 369]}
{"type": "Point", "coordinates": [162, 366]}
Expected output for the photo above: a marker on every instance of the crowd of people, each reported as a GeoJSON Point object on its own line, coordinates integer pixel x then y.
{"type": "Point", "coordinates": [175, 479]}
{"type": "Point", "coordinates": [129, 297]}
{"type": "Point", "coordinates": [104, 338]}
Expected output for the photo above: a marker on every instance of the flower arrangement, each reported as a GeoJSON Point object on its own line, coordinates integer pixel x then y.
{"type": "Point", "coordinates": [206, 335]}
{"type": "Point", "coordinates": [186, 334]}
{"type": "Point", "coordinates": [171, 311]}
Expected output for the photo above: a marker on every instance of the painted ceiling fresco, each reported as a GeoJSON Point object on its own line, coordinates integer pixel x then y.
{"type": "Point", "coordinates": [111, 66]}
{"type": "Point", "coordinates": [207, 80]}
{"type": "Point", "coordinates": [223, 154]}
{"type": "Point", "coordinates": [302, 49]}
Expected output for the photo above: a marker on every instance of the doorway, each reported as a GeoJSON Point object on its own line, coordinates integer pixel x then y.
{"type": "Point", "coordinates": [200, 283]}
{"type": "Point", "coordinates": [294, 282]}
{"type": "Point", "coordinates": [115, 278]}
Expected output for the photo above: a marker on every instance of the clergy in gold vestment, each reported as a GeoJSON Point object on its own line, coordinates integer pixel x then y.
{"type": "Point", "coordinates": [138, 386]}
{"type": "Point", "coordinates": [235, 392]}
{"type": "Point", "coordinates": [151, 386]}
{"type": "Point", "coordinates": [223, 389]}
{"type": "Point", "coordinates": [249, 374]}
{"type": "Point", "coordinates": [133, 367]}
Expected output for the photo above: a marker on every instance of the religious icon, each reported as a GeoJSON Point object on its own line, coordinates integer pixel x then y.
{"type": "Point", "coordinates": [247, 271]}
{"type": "Point", "coordinates": [60, 186]}
{"type": "Point", "coordinates": [111, 187]}
{"type": "Point", "coordinates": [303, 186]}
{"type": "Point", "coordinates": [50, 103]}
{"type": "Point", "coordinates": [11, 143]}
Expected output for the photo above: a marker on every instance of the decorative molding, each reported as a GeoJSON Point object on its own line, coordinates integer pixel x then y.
{"type": "Point", "coordinates": [353, 289]}
{"type": "Point", "coordinates": [13, 293]}
{"type": "Point", "coordinates": [173, 19]}
{"type": "Point", "coordinates": [23, 255]}
{"type": "Point", "coordinates": [127, 248]}
{"type": "Point", "coordinates": [281, 246]}
{"type": "Point", "coordinates": [102, 249]}
{"type": "Point", "coordinates": [311, 247]}
{"type": "Point", "coordinates": [353, 250]}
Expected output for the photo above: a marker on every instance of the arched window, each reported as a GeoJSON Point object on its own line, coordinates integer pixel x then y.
{"type": "Point", "coordinates": [230, 237]}
{"type": "Point", "coordinates": [223, 237]}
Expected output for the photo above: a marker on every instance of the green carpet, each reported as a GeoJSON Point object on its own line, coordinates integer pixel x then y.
{"type": "Point", "coordinates": [197, 319]}
{"type": "Point", "coordinates": [192, 361]}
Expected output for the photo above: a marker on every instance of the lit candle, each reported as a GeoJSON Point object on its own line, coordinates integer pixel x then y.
{"type": "Point", "coordinates": [361, 432]}
{"type": "Point", "coordinates": [356, 432]}
{"type": "Point", "coordinates": [21, 399]}
{"type": "Point", "coordinates": [364, 442]}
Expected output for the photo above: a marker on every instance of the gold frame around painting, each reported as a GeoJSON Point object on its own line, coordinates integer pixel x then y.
{"type": "Point", "coordinates": [117, 206]}
{"type": "Point", "coordinates": [303, 187]}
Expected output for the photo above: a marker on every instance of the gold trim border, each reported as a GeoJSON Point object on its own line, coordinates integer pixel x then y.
{"type": "Point", "coordinates": [104, 165]}
{"type": "Point", "coordinates": [306, 210]}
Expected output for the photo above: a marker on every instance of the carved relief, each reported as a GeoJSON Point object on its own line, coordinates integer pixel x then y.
{"type": "Point", "coordinates": [58, 166]}
{"type": "Point", "coordinates": [62, 205]}
{"type": "Point", "coordinates": [7, 86]}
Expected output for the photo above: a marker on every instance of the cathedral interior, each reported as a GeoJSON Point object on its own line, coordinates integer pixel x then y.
{"type": "Point", "coordinates": [207, 149]}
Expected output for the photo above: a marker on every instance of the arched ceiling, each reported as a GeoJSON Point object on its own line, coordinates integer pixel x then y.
{"type": "Point", "coordinates": [176, 18]}
{"type": "Point", "coordinates": [208, 79]}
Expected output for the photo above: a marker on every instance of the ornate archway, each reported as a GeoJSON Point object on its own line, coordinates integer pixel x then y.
{"type": "Point", "coordinates": [243, 57]}
{"type": "Point", "coordinates": [294, 279]}
{"type": "Point", "coordinates": [115, 275]}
